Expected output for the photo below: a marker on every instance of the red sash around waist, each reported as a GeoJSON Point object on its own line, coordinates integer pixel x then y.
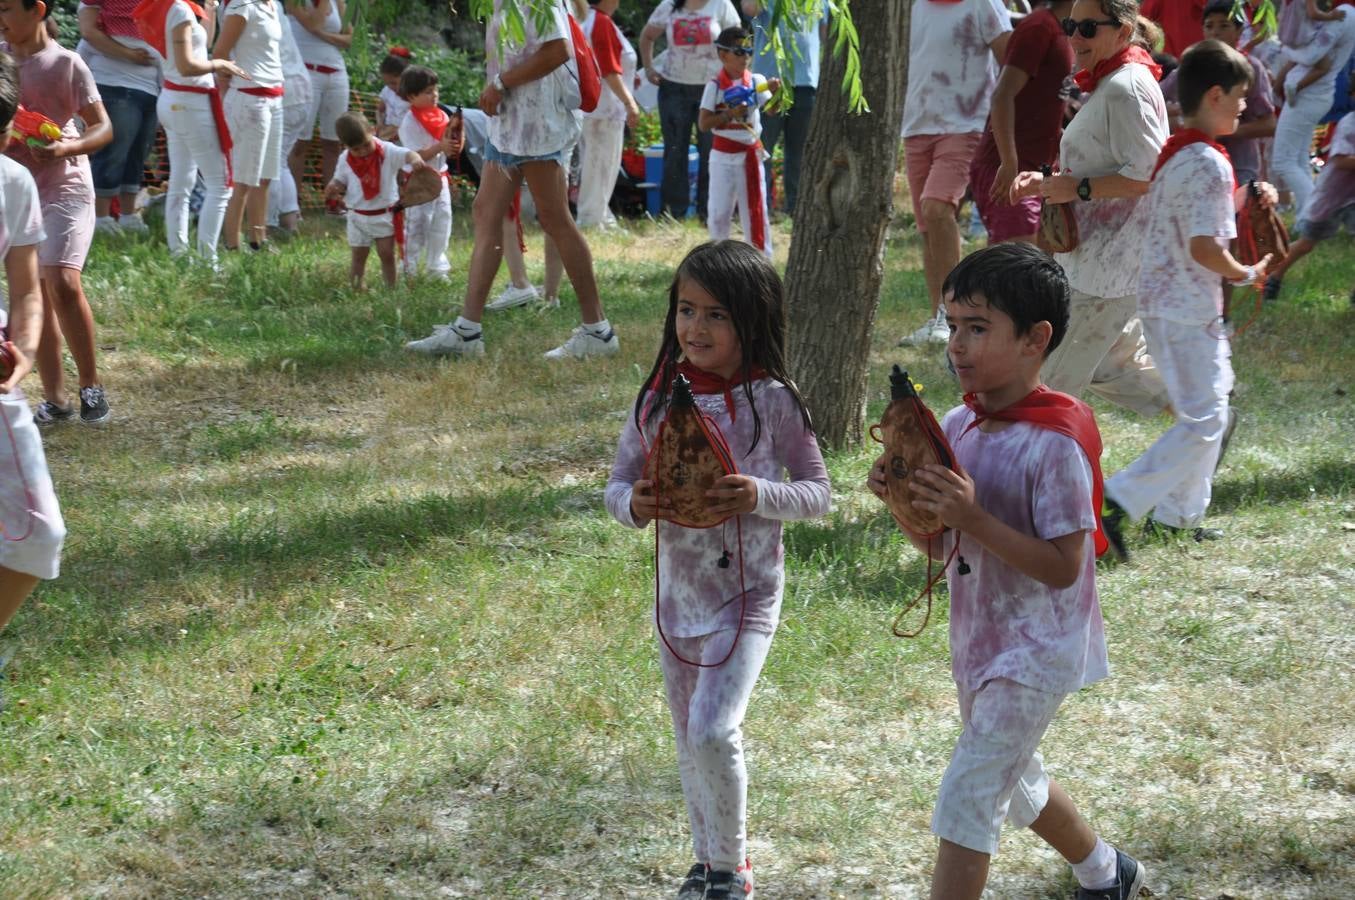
{"type": "Point", "coordinates": [262, 91]}
{"type": "Point", "coordinates": [223, 131]}
{"type": "Point", "coordinates": [323, 70]}
{"type": "Point", "coordinates": [752, 176]}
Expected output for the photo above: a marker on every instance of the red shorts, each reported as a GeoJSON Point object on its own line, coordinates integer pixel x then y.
{"type": "Point", "coordinates": [1003, 220]}
{"type": "Point", "coordinates": [938, 168]}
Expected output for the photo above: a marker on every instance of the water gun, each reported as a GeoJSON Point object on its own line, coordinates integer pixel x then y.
{"type": "Point", "coordinates": [738, 95]}
{"type": "Point", "coordinates": [33, 128]}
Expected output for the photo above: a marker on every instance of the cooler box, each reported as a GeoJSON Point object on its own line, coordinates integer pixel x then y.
{"type": "Point", "coordinates": [654, 178]}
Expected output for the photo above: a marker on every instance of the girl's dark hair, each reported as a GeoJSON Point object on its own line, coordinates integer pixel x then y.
{"type": "Point", "coordinates": [1018, 279]}
{"type": "Point", "coordinates": [47, 12]}
{"type": "Point", "coordinates": [416, 80]}
{"type": "Point", "coordinates": [396, 61]}
{"type": "Point", "coordinates": [744, 282]}
{"type": "Point", "coordinates": [1205, 65]}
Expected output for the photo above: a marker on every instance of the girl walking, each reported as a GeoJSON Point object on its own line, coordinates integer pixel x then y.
{"type": "Point", "coordinates": [719, 588]}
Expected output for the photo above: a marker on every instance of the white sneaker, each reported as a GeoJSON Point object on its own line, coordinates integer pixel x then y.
{"type": "Point", "coordinates": [583, 343]}
{"type": "Point", "coordinates": [447, 341]}
{"type": "Point", "coordinates": [513, 296]}
{"type": "Point", "coordinates": [932, 331]}
{"type": "Point", "coordinates": [133, 224]}
{"type": "Point", "coordinates": [106, 225]}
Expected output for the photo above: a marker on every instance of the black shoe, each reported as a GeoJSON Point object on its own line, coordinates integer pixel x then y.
{"type": "Point", "coordinates": [694, 887]}
{"type": "Point", "coordinates": [1227, 436]}
{"type": "Point", "coordinates": [93, 405]}
{"type": "Point", "coordinates": [49, 413]}
{"type": "Point", "coordinates": [1272, 289]}
{"type": "Point", "coordinates": [730, 885]}
{"type": "Point", "coordinates": [1153, 528]}
{"type": "Point", "coordinates": [1129, 875]}
{"type": "Point", "coordinates": [1113, 518]}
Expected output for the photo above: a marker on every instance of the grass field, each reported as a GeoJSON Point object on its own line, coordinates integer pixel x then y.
{"type": "Point", "coordinates": [337, 621]}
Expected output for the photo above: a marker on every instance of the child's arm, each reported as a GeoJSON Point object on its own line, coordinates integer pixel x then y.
{"type": "Point", "coordinates": [336, 189]}
{"type": "Point", "coordinates": [1205, 250]}
{"type": "Point", "coordinates": [25, 311]}
{"type": "Point", "coordinates": [950, 495]}
{"type": "Point", "coordinates": [98, 133]}
{"type": "Point", "coordinates": [806, 495]}
{"type": "Point", "coordinates": [711, 119]}
{"type": "Point", "coordinates": [875, 481]}
{"type": "Point", "coordinates": [630, 496]}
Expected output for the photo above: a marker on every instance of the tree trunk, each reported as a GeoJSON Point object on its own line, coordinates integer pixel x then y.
{"type": "Point", "coordinates": [836, 263]}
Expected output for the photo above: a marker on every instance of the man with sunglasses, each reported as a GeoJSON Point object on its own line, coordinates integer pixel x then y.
{"type": "Point", "coordinates": [953, 51]}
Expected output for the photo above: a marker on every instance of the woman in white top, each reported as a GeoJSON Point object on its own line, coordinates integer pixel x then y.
{"type": "Point", "coordinates": [251, 32]}
{"type": "Point", "coordinates": [1107, 156]}
{"type": "Point", "coordinates": [690, 28]}
{"type": "Point", "coordinates": [124, 68]}
{"type": "Point", "coordinates": [604, 129]}
{"type": "Point", "coordinates": [322, 38]}
{"type": "Point", "coordinates": [191, 111]}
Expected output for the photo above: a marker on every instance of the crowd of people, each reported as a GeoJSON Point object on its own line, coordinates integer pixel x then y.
{"type": "Point", "coordinates": [1060, 111]}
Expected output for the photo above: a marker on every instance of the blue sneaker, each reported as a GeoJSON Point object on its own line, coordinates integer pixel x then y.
{"type": "Point", "coordinates": [1129, 876]}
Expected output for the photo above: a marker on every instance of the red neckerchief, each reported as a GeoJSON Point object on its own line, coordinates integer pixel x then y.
{"type": "Point", "coordinates": [704, 382]}
{"type": "Point", "coordinates": [724, 82]}
{"type": "Point", "coordinates": [368, 170]}
{"type": "Point", "coordinates": [1183, 139]}
{"type": "Point", "coordinates": [1045, 408]}
{"type": "Point", "coordinates": [433, 120]}
{"type": "Point", "coordinates": [149, 16]}
{"type": "Point", "coordinates": [1087, 81]}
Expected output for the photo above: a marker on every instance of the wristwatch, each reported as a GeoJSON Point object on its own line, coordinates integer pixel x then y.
{"type": "Point", "coordinates": [1084, 189]}
{"type": "Point", "coordinates": [499, 85]}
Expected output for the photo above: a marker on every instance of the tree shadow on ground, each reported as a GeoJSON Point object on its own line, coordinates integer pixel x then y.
{"type": "Point", "coordinates": [1323, 477]}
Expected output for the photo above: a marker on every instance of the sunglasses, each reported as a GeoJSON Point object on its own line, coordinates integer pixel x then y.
{"type": "Point", "coordinates": [737, 51]}
{"type": "Point", "coordinates": [1086, 27]}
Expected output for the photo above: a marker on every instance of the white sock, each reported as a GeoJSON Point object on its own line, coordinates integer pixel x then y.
{"type": "Point", "coordinates": [1097, 871]}
{"type": "Point", "coordinates": [598, 329]}
{"type": "Point", "coordinates": [465, 327]}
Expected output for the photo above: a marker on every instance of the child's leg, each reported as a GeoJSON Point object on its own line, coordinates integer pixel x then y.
{"type": "Point", "coordinates": [724, 182]}
{"type": "Point", "coordinates": [995, 774]}
{"type": "Point", "coordinates": [50, 368]}
{"type": "Point", "coordinates": [417, 221]}
{"type": "Point", "coordinates": [385, 251]}
{"type": "Point", "coordinates": [14, 590]}
{"type": "Point", "coordinates": [28, 510]}
{"type": "Point", "coordinates": [1297, 251]}
{"type": "Point", "coordinates": [76, 320]}
{"type": "Point", "coordinates": [715, 739]}
{"type": "Point", "coordinates": [358, 266]}
{"type": "Point", "coordinates": [439, 233]}
{"type": "Point", "coordinates": [753, 216]}
{"type": "Point", "coordinates": [679, 684]}
{"type": "Point", "coordinates": [1173, 477]}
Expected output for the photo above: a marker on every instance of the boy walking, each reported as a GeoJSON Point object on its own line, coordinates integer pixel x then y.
{"type": "Point", "coordinates": [1191, 206]}
{"type": "Point", "coordinates": [1021, 526]}
{"type": "Point", "coordinates": [365, 179]}
{"type": "Point", "coordinates": [729, 109]}
{"type": "Point", "coordinates": [424, 130]}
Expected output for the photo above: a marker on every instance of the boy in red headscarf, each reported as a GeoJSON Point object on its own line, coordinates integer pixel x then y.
{"type": "Point", "coordinates": [365, 179]}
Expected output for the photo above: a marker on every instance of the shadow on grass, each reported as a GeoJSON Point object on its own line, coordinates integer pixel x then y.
{"type": "Point", "coordinates": [1323, 477]}
{"type": "Point", "coordinates": [269, 550]}
{"type": "Point", "coordinates": [866, 558]}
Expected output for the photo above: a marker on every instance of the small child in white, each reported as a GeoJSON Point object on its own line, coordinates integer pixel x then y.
{"type": "Point", "coordinates": [729, 110]}
{"type": "Point", "coordinates": [428, 226]}
{"type": "Point", "coordinates": [31, 528]}
{"type": "Point", "coordinates": [1191, 206]}
{"type": "Point", "coordinates": [365, 178]}
{"type": "Point", "coordinates": [390, 106]}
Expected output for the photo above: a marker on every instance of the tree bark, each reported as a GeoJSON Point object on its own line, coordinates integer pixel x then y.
{"type": "Point", "coordinates": [836, 264]}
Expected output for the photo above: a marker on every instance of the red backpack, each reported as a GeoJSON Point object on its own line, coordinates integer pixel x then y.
{"type": "Point", "coordinates": [589, 78]}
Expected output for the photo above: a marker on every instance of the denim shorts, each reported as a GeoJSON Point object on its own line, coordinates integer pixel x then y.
{"type": "Point", "coordinates": [512, 160]}
{"type": "Point", "coordinates": [117, 166]}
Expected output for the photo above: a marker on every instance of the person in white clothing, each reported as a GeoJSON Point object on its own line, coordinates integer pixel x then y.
{"type": "Point", "coordinates": [604, 128]}
{"type": "Point", "coordinates": [322, 38]}
{"type": "Point", "coordinates": [31, 527]}
{"type": "Point", "coordinates": [196, 132]}
{"type": "Point", "coordinates": [366, 179]}
{"type": "Point", "coordinates": [730, 111]}
{"type": "Point", "coordinates": [251, 33]}
{"type": "Point", "coordinates": [390, 106]}
{"type": "Point", "coordinates": [425, 130]}
{"type": "Point", "coordinates": [284, 200]}
{"type": "Point", "coordinates": [1306, 83]}
{"type": "Point", "coordinates": [1191, 208]}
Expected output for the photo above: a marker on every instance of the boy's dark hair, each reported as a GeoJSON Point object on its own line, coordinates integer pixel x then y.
{"type": "Point", "coordinates": [416, 80]}
{"type": "Point", "coordinates": [396, 61]}
{"type": "Point", "coordinates": [735, 36]}
{"type": "Point", "coordinates": [1205, 65]}
{"type": "Point", "coordinates": [1229, 8]}
{"type": "Point", "coordinates": [744, 282]}
{"type": "Point", "coordinates": [47, 12]}
{"type": "Point", "coordinates": [352, 128]}
{"type": "Point", "coordinates": [9, 89]}
{"type": "Point", "coordinates": [1020, 280]}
